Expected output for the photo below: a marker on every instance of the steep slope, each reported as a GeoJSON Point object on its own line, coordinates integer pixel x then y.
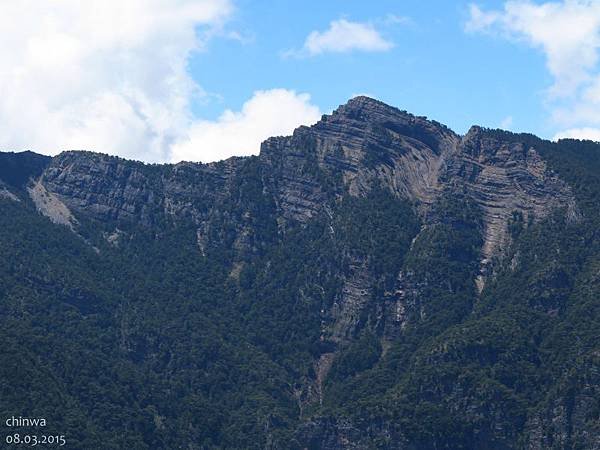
{"type": "Point", "coordinates": [372, 281]}
{"type": "Point", "coordinates": [362, 145]}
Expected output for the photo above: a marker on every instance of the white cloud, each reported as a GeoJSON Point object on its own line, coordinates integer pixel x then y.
{"type": "Point", "coordinates": [274, 112]}
{"type": "Point", "coordinates": [344, 36]}
{"type": "Point", "coordinates": [106, 75]}
{"type": "Point", "coordinates": [568, 33]}
{"type": "Point", "coordinates": [506, 123]}
{"type": "Point", "coordinates": [592, 134]}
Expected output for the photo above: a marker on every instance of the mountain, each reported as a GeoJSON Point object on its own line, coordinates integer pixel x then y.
{"type": "Point", "coordinates": [372, 281]}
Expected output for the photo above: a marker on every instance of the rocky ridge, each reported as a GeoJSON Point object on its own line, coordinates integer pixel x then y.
{"type": "Point", "coordinates": [362, 145]}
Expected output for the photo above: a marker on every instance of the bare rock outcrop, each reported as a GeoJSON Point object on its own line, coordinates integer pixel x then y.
{"type": "Point", "coordinates": [51, 206]}
{"type": "Point", "coordinates": [505, 178]}
{"type": "Point", "coordinates": [5, 193]}
{"type": "Point", "coordinates": [363, 145]}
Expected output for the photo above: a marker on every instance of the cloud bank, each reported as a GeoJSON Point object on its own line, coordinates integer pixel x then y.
{"type": "Point", "coordinates": [268, 113]}
{"type": "Point", "coordinates": [568, 33]}
{"type": "Point", "coordinates": [111, 76]}
{"type": "Point", "coordinates": [592, 134]}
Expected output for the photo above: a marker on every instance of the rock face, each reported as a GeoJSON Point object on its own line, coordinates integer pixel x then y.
{"type": "Point", "coordinates": [362, 144]}
{"type": "Point", "coordinates": [505, 178]}
{"type": "Point", "coordinates": [50, 206]}
{"type": "Point", "coordinates": [103, 187]}
{"type": "Point", "coordinates": [366, 142]}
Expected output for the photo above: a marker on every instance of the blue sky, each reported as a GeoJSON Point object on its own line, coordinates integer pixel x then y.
{"type": "Point", "coordinates": [202, 80]}
{"type": "Point", "coordinates": [434, 69]}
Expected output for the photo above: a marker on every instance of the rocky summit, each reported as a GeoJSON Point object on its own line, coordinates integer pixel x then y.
{"type": "Point", "coordinates": [372, 281]}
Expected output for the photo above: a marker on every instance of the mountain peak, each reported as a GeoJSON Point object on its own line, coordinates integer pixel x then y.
{"type": "Point", "coordinates": [362, 100]}
{"type": "Point", "coordinates": [363, 104]}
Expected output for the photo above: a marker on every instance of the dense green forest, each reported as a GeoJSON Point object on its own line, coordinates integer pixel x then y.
{"type": "Point", "coordinates": [158, 343]}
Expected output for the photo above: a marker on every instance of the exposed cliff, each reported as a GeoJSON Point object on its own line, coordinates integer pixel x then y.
{"type": "Point", "coordinates": [363, 144]}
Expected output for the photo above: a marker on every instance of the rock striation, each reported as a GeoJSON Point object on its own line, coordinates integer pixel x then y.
{"type": "Point", "coordinates": [505, 178]}
{"type": "Point", "coordinates": [362, 145]}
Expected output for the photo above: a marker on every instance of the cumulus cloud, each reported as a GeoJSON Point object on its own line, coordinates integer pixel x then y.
{"type": "Point", "coordinates": [568, 33]}
{"type": "Point", "coordinates": [111, 76]}
{"type": "Point", "coordinates": [106, 75]}
{"type": "Point", "coordinates": [344, 36]}
{"type": "Point", "coordinates": [274, 112]}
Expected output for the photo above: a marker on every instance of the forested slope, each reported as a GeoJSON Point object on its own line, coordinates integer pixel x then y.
{"type": "Point", "coordinates": [373, 281]}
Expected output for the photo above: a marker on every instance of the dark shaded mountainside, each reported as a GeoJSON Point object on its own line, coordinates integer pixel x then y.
{"type": "Point", "coordinates": [373, 281]}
